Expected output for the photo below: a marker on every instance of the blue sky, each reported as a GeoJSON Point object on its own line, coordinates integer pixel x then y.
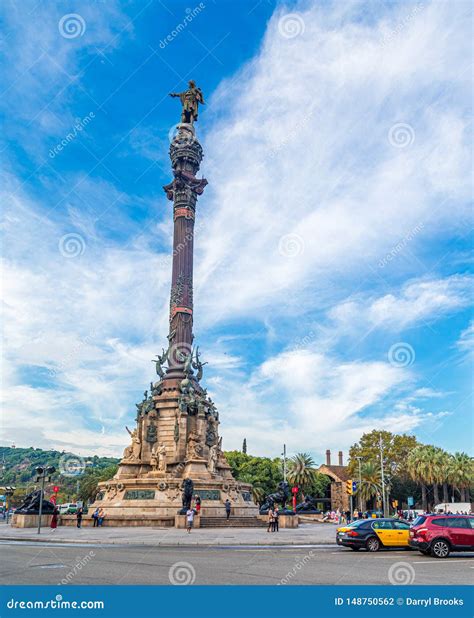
{"type": "Point", "coordinates": [332, 252]}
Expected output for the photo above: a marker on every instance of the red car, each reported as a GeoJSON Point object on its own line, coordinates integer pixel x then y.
{"type": "Point", "coordinates": [439, 535]}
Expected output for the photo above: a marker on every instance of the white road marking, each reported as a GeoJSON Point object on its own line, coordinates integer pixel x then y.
{"type": "Point", "coordinates": [443, 561]}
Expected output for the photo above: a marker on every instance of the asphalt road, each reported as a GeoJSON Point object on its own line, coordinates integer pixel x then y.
{"type": "Point", "coordinates": [43, 563]}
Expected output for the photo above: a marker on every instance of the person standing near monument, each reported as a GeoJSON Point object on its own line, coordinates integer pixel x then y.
{"type": "Point", "coordinates": [270, 519]}
{"type": "Point", "coordinates": [79, 516]}
{"type": "Point", "coordinates": [227, 507]}
{"type": "Point", "coordinates": [189, 519]}
{"type": "Point", "coordinates": [54, 519]}
{"type": "Point", "coordinates": [276, 514]}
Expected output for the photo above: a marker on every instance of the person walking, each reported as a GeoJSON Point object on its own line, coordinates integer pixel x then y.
{"type": "Point", "coordinates": [270, 520]}
{"type": "Point", "coordinates": [227, 507]}
{"type": "Point", "coordinates": [189, 519]}
{"type": "Point", "coordinates": [54, 519]}
{"type": "Point", "coordinates": [198, 504]}
{"type": "Point", "coordinates": [95, 517]}
{"type": "Point", "coordinates": [79, 513]}
{"type": "Point", "coordinates": [276, 515]}
{"type": "Point", "coordinates": [100, 517]}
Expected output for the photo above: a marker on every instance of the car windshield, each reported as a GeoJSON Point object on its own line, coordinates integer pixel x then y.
{"type": "Point", "coordinates": [419, 520]}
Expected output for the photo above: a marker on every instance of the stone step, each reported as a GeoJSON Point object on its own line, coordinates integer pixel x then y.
{"type": "Point", "coordinates": [232, 522]}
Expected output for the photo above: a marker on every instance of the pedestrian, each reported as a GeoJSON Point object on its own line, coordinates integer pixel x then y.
{"type": "Point", "coordinates": [79, 513]}
{"type": "Point", "coordinates": [356, 514]}
{"type": "Point", "coordinates": [348, 516]}
{"type": "Point", "coordinates": [198, 504]}
{"type": "Point", "coordinates": [95, 517]}
{"type": "Point", "coordinates": [227, 507]}
{"type": "Point", "coordinates": [270, 519]}
{"type": "Point", "coordinates": [276, 514]}
{"type": "Point", "coordinates": [54, 519]}
{"type": "Point", "coordinates": [100, 517]}
{"type": "Point", "coordinates": [189, 519]}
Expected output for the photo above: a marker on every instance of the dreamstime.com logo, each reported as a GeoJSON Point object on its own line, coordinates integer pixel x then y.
{"type": "Point", "coordinates": [298, 566]}
{"type": "Point", "coordinates": [72, 26]}
{"type": "Point", "coordinates": [291, 245]}
{"type": "Point", "coordinates": [401, 355]}
{"type": "Point", "coordinates": [56, 603]}
{"type": "Point", "coordinates": [71, 465]}
{"type": "Point", "coordinates": [182, 574]}
{"type": "Point", "coordinates": [401, 574]}
{"type": "Point", "coordinates": [190, 15]}
{"type": "Point", "coordinates": [71, 245]}
{"type": "Point", "coordinates": [291, 25]}
{"type": "Point", "coordinates": [80, 563]}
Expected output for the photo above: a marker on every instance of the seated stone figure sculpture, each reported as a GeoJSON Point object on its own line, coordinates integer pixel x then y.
{"type": "Point", "coordinates": [31, 504]}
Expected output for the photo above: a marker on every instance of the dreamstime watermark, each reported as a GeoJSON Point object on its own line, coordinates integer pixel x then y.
{"type": "Point", "coordinates": [302, 342]}
{"type": "Point", "coordinates": [182, 574]}
{"type": "Point", "coordinates": [401, 355]}
{"type": "Point", "coordinates": [291, 245]}
{"type": "Point", "coordinates": [71, 245]}
{"type": "Point", "coordinates": [298, 566]}
{"type": "Point", "coordinates": [401, 135]}
{"type": "Point", "coordinates": [80, 564]}
{"type": "Point", "coordinates": [71, 465]}
{"type": "Point", "coordinates": [401, 25]}
{"type": "Point", "coordinates": [291, 25]}
{"type": "Point", "coordinates": [79, 126]}
{"type": "Point", "coordinates": [401, 574]}
{"type": "Point", "coordinates": [72, 26]}
{"type": "Point", "coordinates": [190, 15]}
{"type": "Point", "coordinates": [398, 248]}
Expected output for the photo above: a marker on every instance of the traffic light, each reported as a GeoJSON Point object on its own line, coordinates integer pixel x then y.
{"type": "Point", "coordinates": [349, 487]}
{"type": "Point", "coordinates": [56, 489]}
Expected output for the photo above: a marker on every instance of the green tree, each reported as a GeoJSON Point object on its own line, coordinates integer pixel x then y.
{"type": "Point", "coordinates": [396, 449]}
{"type": "Point", "coordinates": [371, 482]}
{"type": "Point", "coordinates": [262, 472]}
{"type": "Point", "coordinates": [90, 479]}
{"type": "Point", "coordinates": [461, 471]}
{"type": "Point", "coordinates": [302, 471]}
{"type": "Point", "coordinates": [418, 468]}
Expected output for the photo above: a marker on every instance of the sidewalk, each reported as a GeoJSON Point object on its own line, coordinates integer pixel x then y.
{"type": "Point", "coordinates": [306, 534]}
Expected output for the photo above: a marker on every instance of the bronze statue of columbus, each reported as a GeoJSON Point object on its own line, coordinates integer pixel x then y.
{"type": "Point", "coordinates": [190, 100]}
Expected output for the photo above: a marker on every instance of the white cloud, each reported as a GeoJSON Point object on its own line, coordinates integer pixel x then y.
{"type": "Point", "coordinates": [417, 301]}
{"type": "Point", "coordinates": [296, 143]}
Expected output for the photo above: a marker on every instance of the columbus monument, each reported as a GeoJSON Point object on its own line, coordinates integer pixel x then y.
{"type": "Point", "coordinates": [175, 452]}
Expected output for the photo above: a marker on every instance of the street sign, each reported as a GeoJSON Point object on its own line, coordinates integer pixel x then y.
{"type": "Point", "coordinates": [410, 501]}
{"type": "Point", "coordinates": [354, 486]}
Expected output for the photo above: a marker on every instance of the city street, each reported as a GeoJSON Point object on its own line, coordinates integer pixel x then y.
{"type": "Point", "coordinates": [55, 563]}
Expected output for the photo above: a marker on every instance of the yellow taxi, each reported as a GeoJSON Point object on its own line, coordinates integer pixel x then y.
{"type": "Point", "coordinates": [374, 534]}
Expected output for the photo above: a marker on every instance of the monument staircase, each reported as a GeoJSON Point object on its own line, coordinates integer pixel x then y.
{"type": "Point", "coordinates": [232, 522]}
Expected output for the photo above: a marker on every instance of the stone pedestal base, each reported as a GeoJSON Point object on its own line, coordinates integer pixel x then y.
{"type": "Point", "coordinates": [180, 521]}
{"type": "Point", "coordinates": [284, 521]}
{"type": "Point", "coordinates": [30, 521]}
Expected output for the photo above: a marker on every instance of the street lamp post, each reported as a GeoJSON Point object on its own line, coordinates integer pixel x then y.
{"type": "Point", "coordinates": [359, 458]}
{"type": "Point", "coordinates": [42, 475]}
{"type": "Point", "coordinates": [284, 462]}
{"type": "Point", "coordinates": [383, 476]}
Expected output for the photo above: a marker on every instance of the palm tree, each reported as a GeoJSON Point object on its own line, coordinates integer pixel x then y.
{"type": "Point", "coordinates": [302, 471]}
{"type": "Point", "coordinates": [445, 466]}
{"type": "Point", "coordinates": [258, 494]}
{"type": "Point", "coordinates": [462, 473]}
{"type": "Point", "coordinates": [433, 457]}
{"type": "Point", "coordinates": [417, 465]}
{"type": "Point", "coordinates": [371, 481]}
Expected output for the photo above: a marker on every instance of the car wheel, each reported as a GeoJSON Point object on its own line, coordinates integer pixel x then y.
{"type": "Point", "coordinates": [355, 548]}
{"type": "Point", "coordinates": [373, 544]}
{"type": "Point", "coordinates": [440, 549]}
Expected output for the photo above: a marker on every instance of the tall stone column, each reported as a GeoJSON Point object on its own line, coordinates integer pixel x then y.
{"type": "Point", "coordinates": [186, 155]}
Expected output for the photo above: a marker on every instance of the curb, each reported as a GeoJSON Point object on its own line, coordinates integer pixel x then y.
{"type": "Point", "coordinates": [226, 543]}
